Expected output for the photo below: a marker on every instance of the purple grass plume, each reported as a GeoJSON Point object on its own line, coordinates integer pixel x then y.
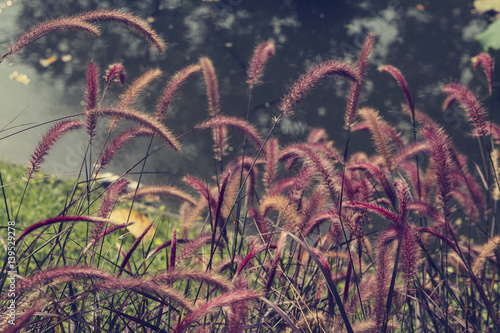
{"type": "Point", "coordinates": [92, 85]}
{"type": "Point", "coordinates": [261, 55]}
{"type": "Point", "coordinates": [123, 138]}
{"type": "Point", "coordinates": [138, 86]}
{"type": "Point", "coordinates": [45, 28]}
{"type": "Point", "coordinates": [401, 81]}
{"type": "Point", "coordinates": [238, 124]}
{"type": "Point", "coordinates": [469, 102]}
{"type": "Point", "coordinates": [172, 87]}
{"type": "Point", "coordinates": [311, 78]}
{"type": "Point", "coordinates": [130, 21]}
{"type": "Point", "coordinates": [48, 140]}
{"type": "Point", "coordinates": [485, 61]}
{"type": "Point", "coordinates": [212, 86]}
{"type": "Point", "coordinates": [362, 68]}
{"type": "Point", "coordinates": [142, 119]}
{"type": "Point", "coordinates": [116, 73]}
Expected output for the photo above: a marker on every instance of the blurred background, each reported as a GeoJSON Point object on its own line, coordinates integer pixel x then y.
{"type": "Point", "coordinates": [431, 42]}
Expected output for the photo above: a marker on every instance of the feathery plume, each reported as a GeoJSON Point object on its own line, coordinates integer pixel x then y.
{"type": "Point", "coordinates": [487, 250]}
{"type": "Point", "coordinates": [161, 190]}
{"type": "Point", "coordinates": [173, 249]}
{"type": "Point", "coordinates": [377, 125]}
{"type": "Point", "coordinates": [284, 207]}
{"type": "Point", "coordinates": [379, 175]}
{"type": "Point", "coordinates": [443, 165]}
{"type": "Point", "coordinates": [271, 153]}
{"type": "Point", "coordinates": [240, 125]}
{"type": "Point", "coordinates": [484, 60]}
{"type": "Point", "coordinates": [112, 193]}
{"type": "Point", "coordinates": [123, 138]}
{"type": "Point", "coordinates": [261, 55]}
{"type": "Point", "coordinates": [116, 72]}
{"type": "Point", "coordinates": [212, 305]}
{"type": "Point", "coordinates": [92, 85]}
{"type": "Point", "coordinates": [194, 245]}
{"type": "Point", "coordinates": [137, 87]}
{"type": "Point", "coordinates": [361, 67]}
{"type": "Point", "coordinates": [66, 273]}
{"type": "Point", "coordinates": [212, 87]}
{"type": "Point", "coordinates": [308, 80]}
{"type": "Point", "coordinates": [140, 118]}
{"type": "Point", "coordinates": [147, 286]}
{"type": "Point", "coordinates": [470, 104]}
{"type": "Point", "coordinates": [172, 87]}
{"type": "Point", "coordinates": [48, 140]}
{"type": "Point", "coordinates": [401, 81]}
{"type": "Point", "coordinates": [45, 28]}
{"type": "Point", "coordinates": [131, 21]}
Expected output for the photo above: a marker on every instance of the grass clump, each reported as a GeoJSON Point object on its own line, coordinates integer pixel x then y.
{"type": "Point", "coordinates": [277, 240]}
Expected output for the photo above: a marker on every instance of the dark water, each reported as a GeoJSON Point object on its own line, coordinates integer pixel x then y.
{"type": "Point", "coordinates": [431, 42]}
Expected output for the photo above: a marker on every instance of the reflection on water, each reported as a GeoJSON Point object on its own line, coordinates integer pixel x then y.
{"type": "Point", "coordinates": [431, 43]}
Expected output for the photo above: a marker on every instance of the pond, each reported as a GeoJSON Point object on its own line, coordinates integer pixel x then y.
{"type": "Point", "coordinates": [431, 42]}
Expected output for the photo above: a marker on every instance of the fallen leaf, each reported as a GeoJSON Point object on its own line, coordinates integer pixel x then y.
{"type": "Point", "coordinates": [483, 6]}
{"type": "Point", "coordinates": [141, 222]}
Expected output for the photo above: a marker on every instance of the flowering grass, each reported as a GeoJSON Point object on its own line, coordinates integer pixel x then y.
{"type": "Point", "coordinates": [307, 237]}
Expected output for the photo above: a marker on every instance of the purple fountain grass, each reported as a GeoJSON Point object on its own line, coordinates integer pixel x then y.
{"type": "Point", "coordinates": [410, 152]}
{"type": "Point", "coordinates": [92, 85]}
{"type": "Point", "coordinates": [317, 201]}
{"type": "Point", "coordinates": [214, 304]}
{"type": "Point", "coordinates": [109, 200]}
{"type": "Point", "coordinates": [271, 153]}
{"type": "Point", "coordinates": [287, 211]}
{"type": "Point", "coordinates": [377, 125]}
{"type": "Point", "coordinates": [443, 166]}
{"type": "Point", "coordinates": [160, 190]}
{"type": "Point", "coordinates": [59, 219]}
{"type": "Point", "coordinates": [311, 78]}
{"type": "Point", "coordinates": [204, 190]}
{"type": "Point", "coordinates": [318, 135]}
{"type": "Point", "coordinates": [137, 87]}
{"type": "Point", "coordinates": [110, 197]}
{"type": "Point", "coordinates": [48, 140]}
{"type": "Point", "coordinates": [240, 125]}
{"type": "Point", "coordinates": [381, 176]}
{"type": "Point", "coordinates": [487, 250]}
{"type": "Point", "coordinates": [146, 286]}
{"type": "Point", "coordinates": [45, 28]}
{"type": "Point", "coordinates": [486, 62]}
{"type": "Point", "coordinates": [62, 274]}
{"type": "Point", "coordinates": [140, 118]}
{"type": "Point", "coordinates": [116, 72]}
{"type": "Point", "coordinates": [173, 249]}
{"type": "Point", "coordinates": [469, 102]}
{"type": "Point", "coordinates": [172, 87]}
{"type": "Point", "coordinates": [104, 233]}
{"type": "Point", "coordinates": [261, 55]}
{"type": "Point", "coordinates": [194, 245]}
{"type": "Point", "coordinates": [132, 22]}
{"type": "Point", "coordinates": [212, 86]}
{"type": "Point", "coordinates": [320, 163]}
{"type": "Point", "coordinates": [361, 68]}
{"type": "Point", "coordinates": [228, 263]}
{"type": "Point", "coordinates": [328, 216]}
{"type": "Point", "coordinates": [119, 141]}
{"type": "Point", "coordinates": [402, 83]}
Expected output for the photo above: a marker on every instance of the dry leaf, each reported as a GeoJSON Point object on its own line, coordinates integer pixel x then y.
{"type": "Point", "coordinates": [141, 222]}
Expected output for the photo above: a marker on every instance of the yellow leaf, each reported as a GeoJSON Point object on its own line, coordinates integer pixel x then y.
{"type": "Point", "coordinates": [141, 222]}
{"type": "Point", "coordinates": [483, 6]}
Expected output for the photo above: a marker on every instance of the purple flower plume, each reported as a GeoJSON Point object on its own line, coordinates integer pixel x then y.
{"type": "Point", "coordinates": [311, 78]}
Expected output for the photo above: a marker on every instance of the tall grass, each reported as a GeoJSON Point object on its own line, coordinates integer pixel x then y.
{"type": "Point", "coordinates": [278, 240]}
